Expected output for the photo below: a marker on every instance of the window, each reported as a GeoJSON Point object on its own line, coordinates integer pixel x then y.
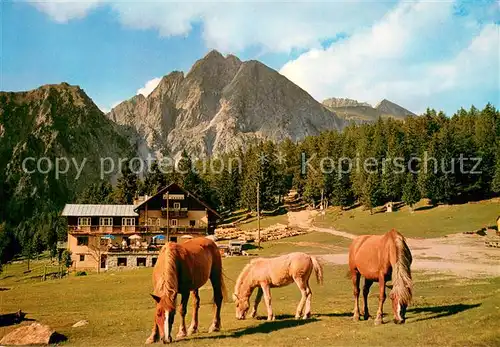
{"type": "Point", "coordinates": [177, 205]}
{"type": "Point", "coordinates": [128, 221]}
{"type": "Point", "coordinates": [173, 222]}
{"type": "Point", "coordinates": [154, 221]}
{"type": "Point", "coordinates": [82, 241]}
{"type": "Point", "coordinates": [82, 257]}
{"type": "Point", "coordinates": [105, 221]}
{"type": "Point", "coordinates": [122, 261]}
{"type": "Point", "coordinates": [84, 221]}
{"type": "Point", "coordinates": [141, 261]}
{"type": "Point", "coordinates": [192, 223]}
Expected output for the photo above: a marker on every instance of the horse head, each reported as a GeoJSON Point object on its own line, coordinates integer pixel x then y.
{"type": "Point", "coordinates": [164, 316]}
{"type": "Point", "coordinates": [399, 307]}
{"type": "Point", "coordinates": [242, 305]}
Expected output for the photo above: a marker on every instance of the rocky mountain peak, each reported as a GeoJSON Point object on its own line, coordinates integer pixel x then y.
{"type": "Point", "coordinates": [341, 102]}
{"type": "Point", "coordinates": [221, 104]}
{"type": "Point", "coordinates": [388, 107]}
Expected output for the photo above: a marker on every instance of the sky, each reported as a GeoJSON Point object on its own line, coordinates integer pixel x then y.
{"type": "Point", "coordinates": [419, 54]}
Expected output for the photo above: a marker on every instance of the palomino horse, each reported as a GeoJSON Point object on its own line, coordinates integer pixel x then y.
{"type": "Point", "coordinates": [378, 258]}
{"type": "Point", "coordinates": [276, 272]}
{"type": "Point", "coordinates": [183, 268]}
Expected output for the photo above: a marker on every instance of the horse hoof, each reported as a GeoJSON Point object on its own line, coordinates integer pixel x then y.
{"type": "Point", "coordinates": [297, 317]}
{"type": "Point", "coordinates": [150, 340]}
{"type": "Point", "coordinates": [378, 322]}
{"type": "Point", "coordinates": [270, 319]}
{"type": "Point", "coordinates": [355, 318]}
{"type": "Point", "coordinates": [213, 329]}
{"type": "Point", "coordinates": [181, 335]}
{"type": "Point", "coordinates": [192, 331]}
{"type": "Point", "coordinates": [399, 321]}
{"type": "Point", "coordinates": [307, 316]}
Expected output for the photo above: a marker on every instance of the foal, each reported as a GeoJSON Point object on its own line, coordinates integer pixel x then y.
{"type": "Point", "coordinates": [265, 274]}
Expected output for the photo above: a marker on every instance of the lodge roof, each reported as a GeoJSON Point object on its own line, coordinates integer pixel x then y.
{"type": "Point", "coordinates": [88, 210]}
{"type": "Point", "coordinates": [188, 193]}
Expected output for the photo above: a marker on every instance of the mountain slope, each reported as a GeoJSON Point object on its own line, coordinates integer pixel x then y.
{"type": "Point", "coordinates": [388, 107]}
{"type": "Point", "coordinates": [53, 121]}
{"type": "Point", "coordinates": [362, 112]}
{"type": "Point", "coordinates": [223, 103]}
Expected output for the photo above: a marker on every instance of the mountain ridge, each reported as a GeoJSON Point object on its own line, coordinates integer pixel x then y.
{"type": "Point", "coordinates": [221, 104]}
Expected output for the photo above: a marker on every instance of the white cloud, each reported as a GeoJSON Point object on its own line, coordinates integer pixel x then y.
{"type": "Point", "coordinates": [412, 54]}
{"type": "Point", "coordinates": [273, 26]}
{"type": "Point", "coordinates": [149, 86]}
{"type": "Point", "coordinates": [63, 11]}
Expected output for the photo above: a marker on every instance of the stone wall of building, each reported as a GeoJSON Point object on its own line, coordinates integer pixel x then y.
{"type": "Point", "coordinates": [116, 261]}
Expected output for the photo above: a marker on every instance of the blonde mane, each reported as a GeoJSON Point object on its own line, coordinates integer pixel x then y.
{"type": "Point", "coordinates": [401, 277]}
{"type": "Point", "coordinates": [168, 281]}
{"type": "Point", "coordinates": [242, 276]}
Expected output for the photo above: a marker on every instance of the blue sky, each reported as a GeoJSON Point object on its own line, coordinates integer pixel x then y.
{"type": "Point", "coordinates": [418, 54]}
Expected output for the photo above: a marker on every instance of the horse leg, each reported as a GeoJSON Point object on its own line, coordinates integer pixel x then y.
{"type": "Point", "coordinates": [183, 311]}
{"type": "Point", "coordinates": [381, 300]}
{"type": "Point", "coordinates": [307, 312]}
{"type": "Point", "coordinates": [355, 283]}
{"type": "Point", "coordinates": [154, 333]}
{"type": "Point", "coordinates": [366, 290]}
{"type": "Point", "coordinates": [303, 291]}
{"type": "Point", "coordinates": [193, 328]}
{"type": "Point", "coordinates": [258, 298]}
{"type": "Point", "coordinates": [218, 296]}
{"type": "Point", "coordinates": [267, 299]}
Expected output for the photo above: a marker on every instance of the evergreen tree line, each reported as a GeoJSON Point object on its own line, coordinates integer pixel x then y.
{"type": "Point", "coordinates": [354, 166]}
{"type": "Point", "coordinates": [445, 159]}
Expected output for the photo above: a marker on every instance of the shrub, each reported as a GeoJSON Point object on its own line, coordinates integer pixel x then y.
{"type": "Point", "coordinates": [81, 273]}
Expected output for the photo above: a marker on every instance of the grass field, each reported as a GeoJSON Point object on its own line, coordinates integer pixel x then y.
{"type": "Point", "coordinates": [424, 222]}
{"type": "Point", "coordinates": [447, 311]}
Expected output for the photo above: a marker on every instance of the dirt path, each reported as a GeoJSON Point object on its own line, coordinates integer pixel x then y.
{"type": "Point", "coordinates": [457, 254]}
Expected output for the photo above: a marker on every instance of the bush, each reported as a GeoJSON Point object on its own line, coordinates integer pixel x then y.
{"type": "Point", "coordinates": [66, 258]}
{"type": "Point", "coordinates": [81, 273]}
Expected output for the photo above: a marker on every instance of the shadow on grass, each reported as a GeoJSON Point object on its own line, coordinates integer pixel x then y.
{"type": "Point", "coordinates": [441, 311]}
{"type": "Point", "coordinates": [263, 328]}
{"type": "Point", "coordinates": [424, 208]}
{"type": "Point", "coordinates": [7, 319]}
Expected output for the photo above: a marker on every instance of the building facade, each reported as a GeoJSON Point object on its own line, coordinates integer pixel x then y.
{"type": "Point", "coordinates": [112, 236]}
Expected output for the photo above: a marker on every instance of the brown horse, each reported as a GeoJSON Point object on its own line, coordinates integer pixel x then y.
{"type": "Point", "coordinates": [184, 268]}
{"type": "Point", "coordinates": [276, 272]}
{"type": "Point", "coordinates": [378, 258]}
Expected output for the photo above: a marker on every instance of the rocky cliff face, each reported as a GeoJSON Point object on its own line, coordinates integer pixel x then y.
{"type": "Point", "coordinates": [223, 103]}
{"type": "Point", "coordinates": [343, 102]}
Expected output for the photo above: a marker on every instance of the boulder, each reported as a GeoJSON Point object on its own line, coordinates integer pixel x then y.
{"type": "Point", "coordinates": [80, 323]}
{"type": "Point", "coordinates": [34, 334]}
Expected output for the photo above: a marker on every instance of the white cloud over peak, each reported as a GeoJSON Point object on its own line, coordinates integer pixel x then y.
{"type": "Point", "coordinates": [273, 26]}
{"type": "Point", "coordinates": [406, 57]}
{"type": "Point", "coordinates": [149, 86]}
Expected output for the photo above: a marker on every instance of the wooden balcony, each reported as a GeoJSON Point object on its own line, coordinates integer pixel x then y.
{"type": "Point", "coordinates": [174, 213]}
{"type": "Point", "coordinates": [97, 229]}
{"type": "Point", "coordinates": [135, 229]}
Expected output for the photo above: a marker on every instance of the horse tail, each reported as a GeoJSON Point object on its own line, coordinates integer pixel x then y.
{"type": "Point", "coordinates": [402, 284]}
{"type": "Point", "coordinates": [318, 269]}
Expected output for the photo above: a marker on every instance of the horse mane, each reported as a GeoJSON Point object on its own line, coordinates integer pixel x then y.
{"type": "Point", "coordinates": [168, 280]}
{"type": "Point", "coordinates": [401, 276]}
{"type": "Point", "coordinates": [243, 274]}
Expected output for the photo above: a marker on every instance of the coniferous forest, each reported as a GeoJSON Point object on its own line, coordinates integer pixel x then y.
{"type": "Point", "coordinates": [444, 159]}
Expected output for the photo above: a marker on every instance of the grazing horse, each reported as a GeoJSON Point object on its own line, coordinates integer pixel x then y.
{"type": "Point", "coordinates": [183, 269]}
{"type": "Point", "coordinates": [276, 272]}
{"type": "Point", "coordinates": [378, 258]}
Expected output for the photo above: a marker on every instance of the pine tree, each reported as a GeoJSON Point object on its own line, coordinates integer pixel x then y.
{"type": "Point", "coordinates": [411, 193]}
{"type": "Point", "coordinates": [126, 188]}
